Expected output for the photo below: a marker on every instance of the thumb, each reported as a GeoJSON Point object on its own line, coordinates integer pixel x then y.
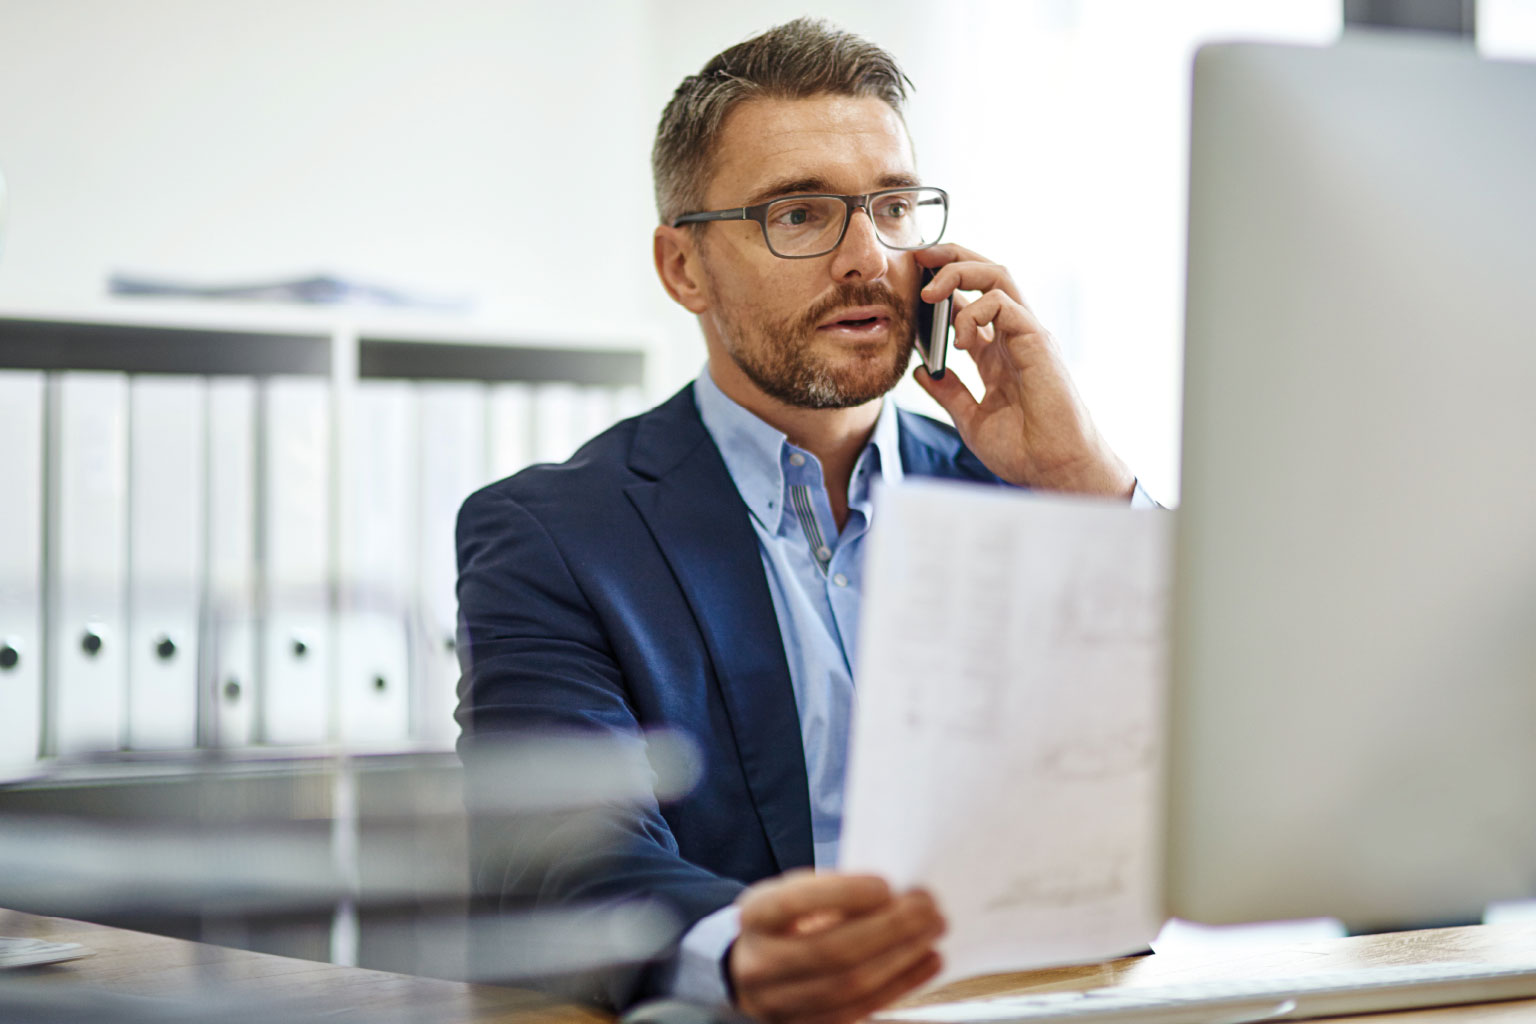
{"type": "Point", "coordinates": [951, 394]}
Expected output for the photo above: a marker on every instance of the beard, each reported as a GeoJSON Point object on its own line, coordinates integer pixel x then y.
{"type": "Point", "coordinates": [781, 359]}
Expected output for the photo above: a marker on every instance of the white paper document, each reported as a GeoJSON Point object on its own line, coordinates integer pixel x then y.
{"type": "Point", "coordinates": [1007, 742]}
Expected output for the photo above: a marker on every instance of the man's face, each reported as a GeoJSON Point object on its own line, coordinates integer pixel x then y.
{"type": "Point", "coordinates": [831, 331]}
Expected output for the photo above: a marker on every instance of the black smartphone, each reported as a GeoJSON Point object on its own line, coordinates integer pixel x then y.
{"type": "Point", "coordinates": [932, 330]}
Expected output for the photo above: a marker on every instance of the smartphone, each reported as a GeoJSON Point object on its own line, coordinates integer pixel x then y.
{"type": "Point", "coordinates": [933, 329]}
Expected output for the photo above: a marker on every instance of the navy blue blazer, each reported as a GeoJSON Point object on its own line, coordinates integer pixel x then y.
{"type": "Point", "coordinates": [624, 590]}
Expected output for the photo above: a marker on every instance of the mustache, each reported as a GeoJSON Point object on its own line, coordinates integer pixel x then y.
{"type": "Point", "coordinates": [860, 293]}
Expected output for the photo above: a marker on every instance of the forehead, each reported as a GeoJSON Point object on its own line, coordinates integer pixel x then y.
{"type": "Point", "coordinates": [850, 144]}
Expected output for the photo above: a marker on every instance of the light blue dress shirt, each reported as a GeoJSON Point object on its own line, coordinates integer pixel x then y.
{"type": "Point", "coordinates": [815, 574]}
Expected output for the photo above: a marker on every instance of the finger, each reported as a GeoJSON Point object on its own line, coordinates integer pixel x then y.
{"type": "Point", "coordinates": [971, 276]}
{"type": "Point", "coordinates": [937, 255]}
{"type": "Point", "coordinates": [776, 905]}
{"type": "Point", "coordinates": [919, 973]}
{"type": "Point", "coordinates": [766, 959]}
{"type": "Point", "coordinates": [960, 302]}
{"type": "Point", "coordinates": [912, 917]}
{"type": "Point", "coordinates": [970, 321]}
{"type": "Point", "coordinates": [852, 986]}
{"type": "Point", "coordinates": [952, 395]}
{"type": "Point", "coordinates": [997, 310]}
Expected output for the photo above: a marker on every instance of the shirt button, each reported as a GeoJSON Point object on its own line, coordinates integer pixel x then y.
{"type": "Point", "coordinates": [823, 552]}
{"type": "Point", "coordinates": [796, 459]}
{"type": "Point", "coordinates": [840, 580]}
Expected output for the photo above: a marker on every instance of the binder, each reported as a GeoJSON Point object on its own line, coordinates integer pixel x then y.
{"type": "Point", "coordinates": [596, 412]}
{"type": "Point", "coordinates": [376, 538]}
{"type": "Point", "coordinates": [510, 445]}
{"type": "Point", "coordinates": [294, 551]}
{"type": "Point", "coordinates": [87, 649]}
{"type": "Point", "coordinates": [230, 694]}
{"type": "Point", "coordinates": [21, 571]}
{"type": "Point", "coordinates": [452, 464]}
{"type": "Point", "coordinates": [559, 419]}
{"type": "Point", "coordinates": [166, 465]}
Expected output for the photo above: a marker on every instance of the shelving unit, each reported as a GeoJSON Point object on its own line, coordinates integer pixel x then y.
{"type": "Point", "coordinates": [238, 352]}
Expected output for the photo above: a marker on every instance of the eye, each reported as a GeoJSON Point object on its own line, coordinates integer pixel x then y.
{"type": "Point", "coordinates": [795, 215]}
{"type": "Point", "coordinates": [895, 207]}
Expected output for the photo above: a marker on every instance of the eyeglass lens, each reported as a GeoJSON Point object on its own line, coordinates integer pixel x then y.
{"type": "Point", "coordinates": [811, 225]}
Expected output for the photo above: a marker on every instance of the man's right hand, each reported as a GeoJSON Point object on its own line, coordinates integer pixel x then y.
{"type": "Point", "coordinates": [830, 948]}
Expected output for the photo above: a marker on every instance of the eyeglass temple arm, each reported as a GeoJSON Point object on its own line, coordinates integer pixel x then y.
{"type": "Point", "coordinates": [699, 218]}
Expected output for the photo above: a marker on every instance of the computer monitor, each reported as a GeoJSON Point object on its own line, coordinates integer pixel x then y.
{"type": "Point", "coordinates": [1354, 682]}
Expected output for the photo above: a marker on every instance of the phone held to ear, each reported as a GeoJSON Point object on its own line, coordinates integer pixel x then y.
{"type": "Point", "coordinates": [933, 330]}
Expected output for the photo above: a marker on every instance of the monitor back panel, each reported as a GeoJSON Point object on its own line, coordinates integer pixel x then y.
{"type": "Point", "coordinates": [1354, 697]}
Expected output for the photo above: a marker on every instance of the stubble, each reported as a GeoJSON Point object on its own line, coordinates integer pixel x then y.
{"type": "Point", "coordinates": [781, 358]}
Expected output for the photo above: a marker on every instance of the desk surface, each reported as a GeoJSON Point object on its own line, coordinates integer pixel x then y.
{"type": "Point", "coordinates": [1490, 944]}
{"type": "Point", "coordinates": [137, 964]}
{"type": "Point", "coordinates": [150, 965]}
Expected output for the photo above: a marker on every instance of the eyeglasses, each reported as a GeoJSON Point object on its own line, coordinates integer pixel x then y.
{"type": "Point", "coordinates": [800, 227]}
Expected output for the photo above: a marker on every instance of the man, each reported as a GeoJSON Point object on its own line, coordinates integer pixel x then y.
{"type": "Point", "coordinates": [698, 567]}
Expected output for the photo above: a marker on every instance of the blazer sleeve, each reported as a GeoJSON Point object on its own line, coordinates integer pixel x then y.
{"type": "Point", "coordinates": [535, 660]}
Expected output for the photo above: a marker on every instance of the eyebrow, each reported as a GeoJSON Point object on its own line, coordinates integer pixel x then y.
{"type": "Point", "coordinates": [791, 186]}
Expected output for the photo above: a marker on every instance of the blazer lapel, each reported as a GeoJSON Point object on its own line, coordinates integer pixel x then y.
{"type": "Point", "coordinates": [702, 527]}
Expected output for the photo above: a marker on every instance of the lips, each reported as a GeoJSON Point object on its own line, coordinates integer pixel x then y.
{"type": "Point", "coordinates": [857, 320]}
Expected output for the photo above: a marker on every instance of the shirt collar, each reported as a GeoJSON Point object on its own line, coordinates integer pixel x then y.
{"type": "Point", "coordinates": [886, 441]}
{"type": "Point", "coordinates": [754, 452]}
{"type": "Point", "coordinates": [751, 450]}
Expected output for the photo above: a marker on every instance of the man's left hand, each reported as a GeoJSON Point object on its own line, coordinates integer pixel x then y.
{"type": "Point", "coordinates": [1030, 427]}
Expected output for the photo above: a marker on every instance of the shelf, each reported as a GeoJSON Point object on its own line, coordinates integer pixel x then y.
{"type": "Point", "coordinates": [436, 360]}
{"type": "Point", "coordinates": [136, 348]}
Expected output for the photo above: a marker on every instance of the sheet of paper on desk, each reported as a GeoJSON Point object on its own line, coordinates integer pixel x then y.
{"type": "Point", "coordinates": [1007, 740]}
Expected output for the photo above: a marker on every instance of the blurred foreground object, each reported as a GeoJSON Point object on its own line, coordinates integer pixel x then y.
{"type": "Point", "coordinates": [349, 859]}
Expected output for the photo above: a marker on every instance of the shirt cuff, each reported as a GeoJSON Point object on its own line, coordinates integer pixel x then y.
{"type": "Point", "coordinates": [1141, 499]}
{"type": "Point", "coordinates": [699, 971]}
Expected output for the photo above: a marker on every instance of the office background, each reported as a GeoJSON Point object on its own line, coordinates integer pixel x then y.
{"type": "Point", "coordinates": [500, 150]}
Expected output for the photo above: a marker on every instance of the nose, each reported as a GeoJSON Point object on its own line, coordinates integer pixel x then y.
{"type": "Point", "coordinates": [861, 255]}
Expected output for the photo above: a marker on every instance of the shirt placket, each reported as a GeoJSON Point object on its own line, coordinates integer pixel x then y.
{"type": "Point", "coordinates": [807, 499]}
{"type": "Point", "coordinates": [846, 573]}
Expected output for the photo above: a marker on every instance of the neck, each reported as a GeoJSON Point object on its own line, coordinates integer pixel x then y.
{"type": "Point", "coordinates": [834, 436]}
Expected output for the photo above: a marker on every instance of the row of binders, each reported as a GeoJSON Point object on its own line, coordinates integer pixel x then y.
{"type": "Point", "coordinates": [219, 561]}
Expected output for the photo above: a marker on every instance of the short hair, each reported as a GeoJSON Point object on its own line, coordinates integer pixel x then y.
{"type": "Point", "coordinates": [802, 58]}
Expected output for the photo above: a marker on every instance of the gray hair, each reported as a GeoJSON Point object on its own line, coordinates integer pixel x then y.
{"type": "Point", "coordinates": [802, 58]}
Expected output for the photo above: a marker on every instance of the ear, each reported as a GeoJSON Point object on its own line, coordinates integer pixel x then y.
{"type": "Point", "coordinates": [677, 256]}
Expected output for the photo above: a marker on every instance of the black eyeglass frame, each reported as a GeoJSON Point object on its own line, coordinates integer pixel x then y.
{"type": "Point", "coordinates": [759, 213]}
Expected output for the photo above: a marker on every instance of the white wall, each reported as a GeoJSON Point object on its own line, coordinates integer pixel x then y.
{"type": "Point", "coordinates": [501, 147]}
{"type": "Point", "coordinates": [490, 147]}
{"type": "Point", "coordinates": [1506, 29]}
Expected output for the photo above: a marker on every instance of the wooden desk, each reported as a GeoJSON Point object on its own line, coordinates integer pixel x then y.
{"type": "Point", "coordinates": [134, 963]}
{"type": "Point", "coordinates": [1491, 944]}
{"type": "Point", "coordinates": [140, 964]}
